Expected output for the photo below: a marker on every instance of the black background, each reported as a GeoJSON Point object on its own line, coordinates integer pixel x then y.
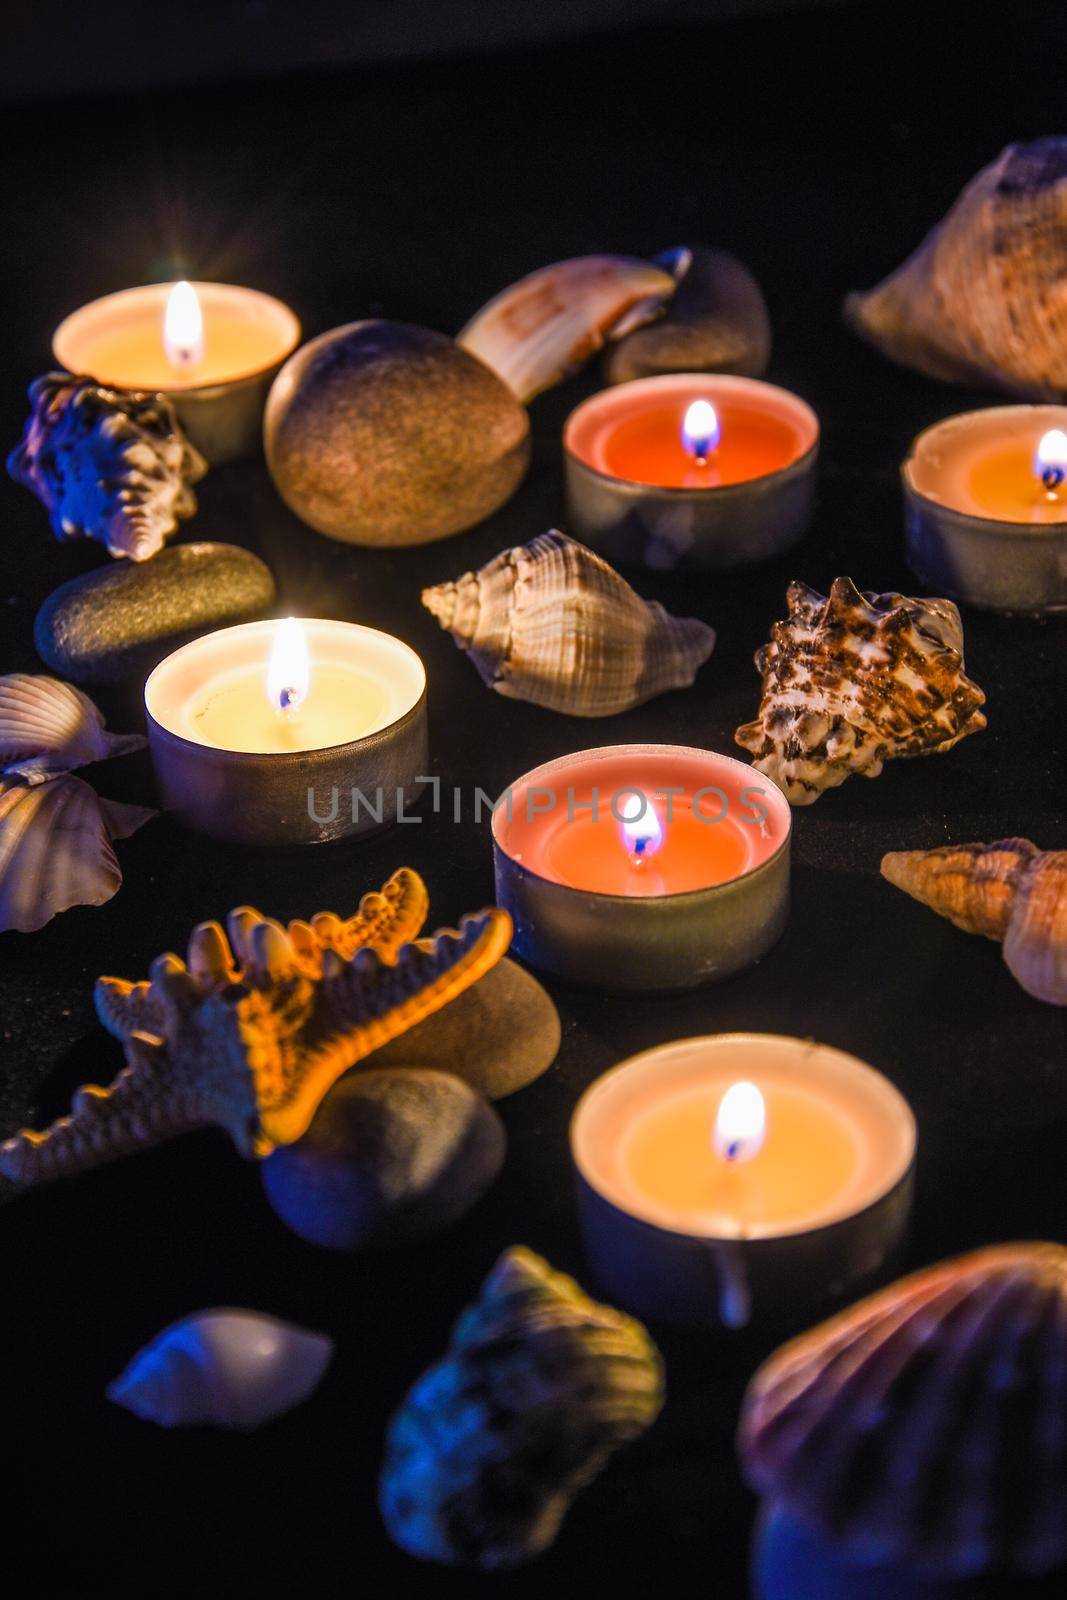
{"type": "Point", "coordinates": [819, 147]}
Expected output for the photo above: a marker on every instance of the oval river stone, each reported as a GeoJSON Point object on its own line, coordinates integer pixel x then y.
{"type": "Point", "coordinates": [118, 621]}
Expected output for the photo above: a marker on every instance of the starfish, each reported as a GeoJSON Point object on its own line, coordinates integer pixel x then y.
{"type": "Point", "coordinates": [253, 1029]}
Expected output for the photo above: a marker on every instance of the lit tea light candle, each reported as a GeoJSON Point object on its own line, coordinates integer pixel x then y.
{"type": "Point", "coordinates": [291, 732]}
{"type": "Point", "coordinates": [212, 348]}
{"type": "Point", "coordinates": [643, 867]}
{"type": "Point", "coordinates": [691, 469]}
{"type": "Point", "coordinates": [986, 507]}
{"type": "Point", "coordinates": [740, 1175]}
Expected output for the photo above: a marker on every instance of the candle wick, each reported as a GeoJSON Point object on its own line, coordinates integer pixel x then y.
{"type": "Point", "coordinates": [288, 700]}
{"type": "Point", "coordinates": [1052, 477]}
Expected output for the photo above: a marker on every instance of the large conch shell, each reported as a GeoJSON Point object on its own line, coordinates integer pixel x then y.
{"type": "Point", "coordinates": [48, 728]}
{"type": "Point", "coordinates": [252, 1031]}
{"type": "Point", "coordinates": [553, 623]}
{"type": "Point", "coordinates": [539, 1387]}
{"type": "Point", "coordinates": [538, 331]}
{"type": "Point", "coordinates": [56, 849]}
{"type": "Point", "coordinates": [1010, 891]}
{"type": "Point", "coordinates": [926, 1425]}
{"type": "Point", "coordinates": [855, 680]}
{"type": "Point", "coordinates": [984, 298]}
{"type": "Point", "coordinates": [222, 1369]}
{"type": "Point", "coordinates": [107, 464]}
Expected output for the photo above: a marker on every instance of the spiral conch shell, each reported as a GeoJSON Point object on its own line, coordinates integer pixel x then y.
{"type": "Point", "coordinates": [539, 1387]}
{"type": "Point", "coordinates": [223, 1369]}
{"type": "Point", "coordinates": [107, 464]}
{"type": "Point", "coordinates": [926, 1425]}
{"type": "Point", "coordinates": [256, 1028]}
{"type": "Point", "coordinates": [1010, 891]}
{"type": "Point", "coordinates": [854, 680]}
{"type": "Point", "coordinates": [551, 622]}
{"type": "Point", "coordinates": [538, 331]}
{"type": "Point", "coordinates": [47, 728]}
{"type": "Point", "coordinates": [984, 298]}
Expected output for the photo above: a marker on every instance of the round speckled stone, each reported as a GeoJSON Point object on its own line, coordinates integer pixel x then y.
{"type": "Point", "coordinates": [381, 433]}
{"type": "Point", "coordinates": [118, 621]}
{"type": "Point", "coordinates": [498, 1036]}
{"type": "Point", "coordinates": [389, 1158]}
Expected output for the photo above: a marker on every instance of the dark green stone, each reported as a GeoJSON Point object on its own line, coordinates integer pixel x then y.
{"type": "Point", "coordinates": [117, 622]}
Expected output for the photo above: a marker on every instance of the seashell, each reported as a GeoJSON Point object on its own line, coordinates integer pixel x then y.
{"type": "Point", "coordinates": [538, 331]}
{"type": "Point", "coordinates": [925, 1425]}
{"type": "Point", "coordinates": [107, 464]}
{"type": "Point", "coordinates": [984, 298]}
{"type": "Point", "coordinates": [47, 728]}
{"type": "Point", "coordinates": [222, 1369]}
{"type": "Point", "coordinates": [254, 1030]}
{"type": "Point", "coordinates": [1010, 891]}
{"type": "Point", "coordinates": [855, 680]}
{"type": "Point", "coordinates": [716, 322]}
{"type": "Point", "coordinates": [56, 849]}
{"type": "Point", "coordinates": [539, 1387]}
{"type": "Point", "coordinates": [551, 622]}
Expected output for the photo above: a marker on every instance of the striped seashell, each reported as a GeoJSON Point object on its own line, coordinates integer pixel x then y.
{"type": "Point", "coordinates": [48, 728]}
{"type": "Point", "coordinates": [927, 1425]}
{"type": "Point", "coordinates": [551, 622]}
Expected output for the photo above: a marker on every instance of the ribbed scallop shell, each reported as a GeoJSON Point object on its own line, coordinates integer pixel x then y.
{"type": "Point", "coordinates": [553, 623]}
{"type": "Point", "coordinates": [540, 1386]}
{"type": "Point", "coordinates": [854, 680]}
{"type": "Point", "coordinates": [47, 728]}
{"type": "Point", "coordinates": [222, 1369]}
{"type": "Point", "coordinates": [538, 331]}
{"type": "Point", "coordinates": [1010, 891]}
{"type": "Point", "coordinates": [107, 464]}
{"type": "Point", "coordinates": [928, 1424]}
{"type": "Point", "coordinates": [56, 849]}
{"type": "Point", "coordinates": [984, 298]}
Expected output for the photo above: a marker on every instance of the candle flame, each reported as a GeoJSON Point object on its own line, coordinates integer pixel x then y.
{"type": "Point", "coordinates": [641, 828]}
{"type": "Point", "coordinates": [183, 328]}
{"type": "Point", "coordinates": [1050, 460]}
{"type": "Point", "coordinates": [700, 430]}
{"type": "Point", "coordinates": [289, 673]}
{"type": "Point", "coordinates": [741, 1124]}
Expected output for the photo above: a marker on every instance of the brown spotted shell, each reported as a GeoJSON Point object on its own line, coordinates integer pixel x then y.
{"type": "Point", "coordinates": [539, 1387]}
{"type": "Point", "coordinates": [551, 622]}
{"type": "Point", "coordinates": [853, 680]}
{"type": "Point", "coordinates": [927, 1425]}
{"type": "Point", "coordinates": [1010, 891]}
{"type": "Point", "coordinates": [984, 298]}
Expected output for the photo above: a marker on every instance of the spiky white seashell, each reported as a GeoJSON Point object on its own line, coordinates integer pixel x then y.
{"type": "Point", "coordinates": [56, 849]}
{"type": "Point", "coordinates": [538, 331]}
{"type": "Point", "coordinates": [222, 1368]}
{"type": "Point", "coordinates": [551, 622]}
{"type": "Point", "coordinates": [48, 728]}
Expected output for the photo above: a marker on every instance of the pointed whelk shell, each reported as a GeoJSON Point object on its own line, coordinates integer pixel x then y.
{"type": "Point", "coordinates": [55, 849]}
{"type": "Point", "coordinates": [107, 464]}
{"type": "Point", "coordinates": [1010, 891]}
{"type": "Point", "coordinates": [541, 329]}
{"type": "Point", "coordinates": [48, 728]}
{"type": "Point", "coordinates": [539, 1387]}
{"type": "Point", "coordinates": [854, 680]}
{"type": "Point", "coordinates": [553, 623]}
{"type": "Point", "coordinates": [984, 298]}
{"type": "Point", "coordinates": [222, 1369]}
{"type": "Point", "coordinates": [927, 1425]}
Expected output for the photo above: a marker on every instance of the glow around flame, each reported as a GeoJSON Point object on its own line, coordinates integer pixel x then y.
{"type": "Point", "coordinates": [641, 828]}
{"type": "Point", "coordinates": [700, 429]}
{"type": "Point", "coordinates": [289, 673]}
{"type": "Point", "coordinates": [183, 328]}
{"type": "Point", "coordinates": [1050, 459]}
{"type": "Point", "coordinates": [741, 1125]}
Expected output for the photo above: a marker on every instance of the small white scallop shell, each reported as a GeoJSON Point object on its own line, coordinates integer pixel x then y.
{"type": "Point", "coordinates": [222, 1368]}
{"type": "Point", "coordinates": [55, 849]}
{"type": "Point", "coordinates": [48, 728]}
